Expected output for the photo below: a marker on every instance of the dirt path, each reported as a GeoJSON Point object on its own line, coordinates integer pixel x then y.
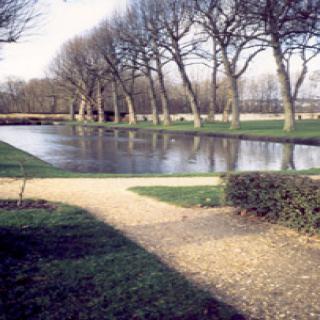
{"type": "Point", "coordinates": [265, 271]}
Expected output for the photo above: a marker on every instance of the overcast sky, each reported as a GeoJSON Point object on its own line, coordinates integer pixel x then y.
{"type": "Point", "coordinates": [62, 20]}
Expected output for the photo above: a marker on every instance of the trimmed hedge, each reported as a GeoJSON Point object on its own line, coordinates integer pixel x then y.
{"type": "Point", "coordinates": [293, 201]}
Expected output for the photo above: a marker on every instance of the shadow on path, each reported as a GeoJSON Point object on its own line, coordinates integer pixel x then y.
{"type": "Point", "coordinates": [65, 264]}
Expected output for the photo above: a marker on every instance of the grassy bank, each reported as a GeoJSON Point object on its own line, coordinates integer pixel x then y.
{"type": "Point", "coordinates": [11, 158]}
{"type": "Point", "coordinates": [305, 129]}
{"type": "Point", "coordinates": [184, 196]}
{"type": "Point", "coordinates": [61, 263]}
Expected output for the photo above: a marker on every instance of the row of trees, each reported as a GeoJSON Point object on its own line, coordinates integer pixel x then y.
{"type": "Point", "coordinates": [259, 94]}
{"type": "Point", "coordinates": [136, 49]}
{"type": "Point", "coordinates": [153, 35]}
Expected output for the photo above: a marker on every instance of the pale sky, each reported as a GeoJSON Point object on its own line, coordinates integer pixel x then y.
{"type": "Point", "coordinates": [62, 20]}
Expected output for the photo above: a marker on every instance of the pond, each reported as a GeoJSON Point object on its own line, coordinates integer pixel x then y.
{"type": "Point", "coordinates": [85, 149]}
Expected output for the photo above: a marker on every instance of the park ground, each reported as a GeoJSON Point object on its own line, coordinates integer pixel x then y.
{"type": "Point", "coordinates": [263, 271]}
{"type": "Point", "coordinates": [145, 259]}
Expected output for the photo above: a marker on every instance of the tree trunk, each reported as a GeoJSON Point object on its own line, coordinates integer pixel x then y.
{"type": "Point", "coordinates": [213, 100]}
{"type": "Point", "coordinates": [153, 99]}
{"type": "Point", "coordinates": [299, 82]}
{"type": "Point", "coordinates": [193, 104]}
{"type": "Point", "coordinates": [288, 105]}
{"type": "Point", "coordinates": [225, 116]}
{"type": "Point", "coordinates": [130, 105]}
{"type": "Point", "coordinates": [89, 111]}
{"type": "Point", "coordinates": [82, 107]}
{"type": "Point", "coordinates": [101, 117]}
{"type": "Point", "coordinates": [163, 90]}
{"type": "Point", "coordinates": [191, 96]}
{"type": "Point", "coordinates": [54, 104]}
{"type": "Point", "coordinates": [234, 91]}
{"type": "Point", "coordinates": [235, 119]}
{"type": "Point", "coordinates": [129, 100]}
{"type": "Point", "coordinates": [115, 101]}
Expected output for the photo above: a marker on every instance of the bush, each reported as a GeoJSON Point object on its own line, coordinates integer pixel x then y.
{"type": "Point", "coordinates": [293, 201]}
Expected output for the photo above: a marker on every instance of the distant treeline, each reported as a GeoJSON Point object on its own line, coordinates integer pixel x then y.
{"type": "Point", "coordinates": [49, 96]}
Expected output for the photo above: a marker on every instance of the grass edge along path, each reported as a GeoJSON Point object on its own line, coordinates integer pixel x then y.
{"type": "Point", "coordinates": [191, 196]}
{"type": "Point", "coordinates": [10, 157]}
{"type": "Point", "coordinates": [205, 197]}
{"type": "Point", "coordinates": [61, 263]}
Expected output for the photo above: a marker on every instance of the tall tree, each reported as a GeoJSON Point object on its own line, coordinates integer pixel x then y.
{"type": "Point", "coordinates": [136, 40]}
{"type": "Point", "coordinates": [121, 62]}
{"type": "Point", "coordinates": [235, 36]}
{"type": "Point", "coordinates": [288, 26]}
{"type": "Point", "coordinates": [150, 11]}
{"type": "Point", "coordinates": [176, 18]}
{"type": "Point", "coordinates": [76, 66]}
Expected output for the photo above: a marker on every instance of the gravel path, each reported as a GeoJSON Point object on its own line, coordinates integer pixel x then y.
{"type": "Point", "coordinates": [265, 271]}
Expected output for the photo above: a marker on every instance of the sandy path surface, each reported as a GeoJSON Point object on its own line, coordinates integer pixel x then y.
{"type": "Point", "coordinates": [265, 271]}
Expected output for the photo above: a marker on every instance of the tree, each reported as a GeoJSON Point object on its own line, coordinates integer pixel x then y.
{"type": "Point", "coordinates": [16, 17]}
{"type": "Point", "coordinates": [76, 66]}
{"type": "Point", "coordinates": [136, 40]}
{"type": "Point", "coordinates": [176, 18]}
{"type": "Point", "coordinates": [121, 63]}
{"type": "Point", "coordinates": [235, 36]}
{"type": "Point", "coordinates": [150, 11]}
{"type": "Point", "coordinates": [288, 27]}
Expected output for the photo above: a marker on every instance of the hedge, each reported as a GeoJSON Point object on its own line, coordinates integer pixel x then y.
{"type": "Point", "coordinates": [293, 201]}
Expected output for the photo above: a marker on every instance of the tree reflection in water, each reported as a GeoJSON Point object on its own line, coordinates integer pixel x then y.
{"type": "Point", "coordinates": [86, 149]}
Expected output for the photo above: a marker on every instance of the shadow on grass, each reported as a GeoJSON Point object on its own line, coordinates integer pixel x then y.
{"type": "Point", "coordinates": [65, 264]}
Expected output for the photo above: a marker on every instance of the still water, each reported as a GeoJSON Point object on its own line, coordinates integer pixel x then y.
{"type": "Point", "coordinates": [115, 151]}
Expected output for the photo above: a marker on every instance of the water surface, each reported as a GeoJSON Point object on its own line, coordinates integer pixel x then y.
{"type": "Point", "coordinates": [116, 151]}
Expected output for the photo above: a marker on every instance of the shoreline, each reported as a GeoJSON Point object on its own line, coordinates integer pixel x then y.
{"type": "Point", "coordinates": [312, 141]}
{"type": "Point", "coordinates": [208, 130]}
{"type": "Point", "coordinates": [296, 140]}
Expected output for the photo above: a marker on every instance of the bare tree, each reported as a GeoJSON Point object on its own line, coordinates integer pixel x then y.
{"type": "Point", "coordinates": [150, 11]}
{"type": "Point", "coordinates": [176, 19]}
{"type": "Point", "coordinates": [76, 66]}
{"type": "Point", "coordinates": [136, 39]}
{"type": "Point", "coordinates": [16, 18]}
{"type": "Point", "coordinates": [235, 36]}
{"type": "Point", "coordinates": [288, 27]}
{"type": "Point", "coordinates": [120, 62]}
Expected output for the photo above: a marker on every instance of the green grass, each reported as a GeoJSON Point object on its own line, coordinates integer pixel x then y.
{"type": "Point", "coordinates": [209, 196]}
{"type": "Point", "coordinates": [10, 157]}
{"type": "Point", "coordinates": [65, 264]}
{"type": "Point", "coordinates": [265, 128]}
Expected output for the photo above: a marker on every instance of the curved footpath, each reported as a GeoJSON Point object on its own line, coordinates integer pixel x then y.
{"type": "Point", "coordinates": [265, 271]}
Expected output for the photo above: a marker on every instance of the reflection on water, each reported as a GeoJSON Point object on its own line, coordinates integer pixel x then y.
{"type": "Point", "coordinates": [115, 151]}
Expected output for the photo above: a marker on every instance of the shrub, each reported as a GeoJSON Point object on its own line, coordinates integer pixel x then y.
{"type": "Point", "coordinates": [293, 201]}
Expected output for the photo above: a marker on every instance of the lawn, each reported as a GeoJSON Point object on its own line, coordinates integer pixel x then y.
{"type": "Point", "coordinates": [266, 128]}
{"type": "Point", "coordinates": [11, 158]}
{"type": "Point", "coordinates": [207, 196]}
{"type": "Point", "coordinates": [59, 262]}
